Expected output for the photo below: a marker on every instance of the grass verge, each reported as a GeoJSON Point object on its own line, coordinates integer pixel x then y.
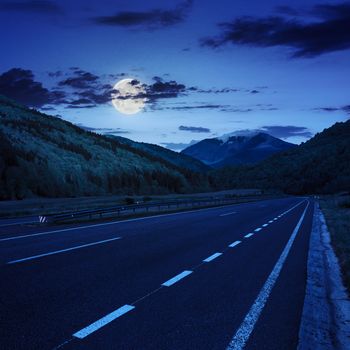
{"type": "Point", "coordinates": [336, 210]}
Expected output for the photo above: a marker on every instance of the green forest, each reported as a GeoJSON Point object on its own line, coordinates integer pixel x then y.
{"type": "Point", "coordinates": [41, 155]}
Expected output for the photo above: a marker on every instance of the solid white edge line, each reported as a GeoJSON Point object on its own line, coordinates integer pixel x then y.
{"type": "Point", "coordinates": [234, 244]}
{"type": "Point", "coordinates": [61, 251]}
{"type": "Point", "coordinates": [177, 278]}
{"type": "Point", "coordinates": [212, 257]}
{"type": "Point", "coordinates": [249, 235]}
{"type": "Point", "coordinates": [242, 335]}
{"type": "Point", "coordinates": [103, 321]}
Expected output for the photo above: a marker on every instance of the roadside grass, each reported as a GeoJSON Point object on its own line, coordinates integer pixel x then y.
{"type": "Point", "coordinates": [336, 210]}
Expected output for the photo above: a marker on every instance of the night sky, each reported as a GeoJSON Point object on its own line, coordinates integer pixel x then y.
{"type": "Point", "coordinates": [206, 68]}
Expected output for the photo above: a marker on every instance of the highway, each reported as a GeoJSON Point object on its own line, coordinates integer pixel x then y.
{"type": "Point", "coordinates": [222, 278]}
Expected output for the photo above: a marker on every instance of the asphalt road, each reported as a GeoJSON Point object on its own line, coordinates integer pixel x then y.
{"type": "Point", "coordinates": [222, 278]}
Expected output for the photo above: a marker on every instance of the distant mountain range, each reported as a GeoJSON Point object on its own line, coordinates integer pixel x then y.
{"type": "Point", "coordinates": [320, 165]}
{"type": "Point", "coordinates": [232, 149]}
{"type": "Point", "coordinates": [41, 155]}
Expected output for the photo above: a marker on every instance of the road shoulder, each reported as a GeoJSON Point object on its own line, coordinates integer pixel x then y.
{"type": "Point", "coordinates": [325, 320]}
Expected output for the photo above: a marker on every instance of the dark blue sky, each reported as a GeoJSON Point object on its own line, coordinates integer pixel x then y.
{"type": "Point", "coordinates": [207, 67]}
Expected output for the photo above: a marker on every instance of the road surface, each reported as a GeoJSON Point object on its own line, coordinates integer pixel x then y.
{"type": "Point", "coordinates": [222, 278]}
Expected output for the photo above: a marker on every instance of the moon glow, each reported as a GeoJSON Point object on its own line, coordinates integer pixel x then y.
{"type": "Point", "coordinates": [125, 99]}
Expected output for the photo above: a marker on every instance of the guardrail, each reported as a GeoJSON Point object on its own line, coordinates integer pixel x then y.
{"type": "Point", "coordinates": [142, 207]}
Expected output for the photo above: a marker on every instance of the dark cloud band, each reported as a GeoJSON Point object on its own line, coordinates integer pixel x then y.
{"type": "Point", "coordinates": [20, 85]}
{"type": "Point", "coordinates": [195, 129]}
{"type": "Point", "coordinates": [153, 19]}
{"type": "Point", "coordinates": [330, 32]}
{"type": "Point", "coordinates": [38, 6]}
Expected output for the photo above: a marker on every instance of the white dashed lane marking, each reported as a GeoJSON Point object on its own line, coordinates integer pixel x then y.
{"type": "Point", "coordinates": [212, 257]}
{"type": "Point", "coordinates": [234, 244]}
{"type": "Point", "coordinates": [103, 321]}
{"type": "Point", "coordinates": [177, 278]}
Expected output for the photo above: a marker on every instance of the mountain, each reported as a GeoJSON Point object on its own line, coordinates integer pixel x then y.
{"type": "Point", "coordinates": [320, 165]}
{"type": "Point", "coordinates": [41, 155]}
{"type": "Point", "coordinates": [177, 159]}
{"type": "Point", "coordinates": [234, 150]}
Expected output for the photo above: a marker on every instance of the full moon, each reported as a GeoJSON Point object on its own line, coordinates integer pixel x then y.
{"type": "Point", "coordinates": [125, 100]}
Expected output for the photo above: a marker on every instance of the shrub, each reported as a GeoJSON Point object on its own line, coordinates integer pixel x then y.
{"type": "Point", "coordinates": [129, 200]}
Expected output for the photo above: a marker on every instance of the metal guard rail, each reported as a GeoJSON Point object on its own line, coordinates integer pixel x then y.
{"type": "Point", "coordinates": [134, 207]}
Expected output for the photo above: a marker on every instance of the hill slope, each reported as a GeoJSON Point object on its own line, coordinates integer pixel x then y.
{"type": "Point", "coordinates": [42, 155]}
{"type": "Point", "coordinates": [236, 150]}
{"type": "Point", "coordinates": [321, 165]}
{"type": "Point", "coordinates": [175, 158]}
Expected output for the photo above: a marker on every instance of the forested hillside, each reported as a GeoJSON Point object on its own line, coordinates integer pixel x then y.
{"type": "Point", "coordinates": [42, 155]}
{"type": "Point", "coordinates": [320, 165]}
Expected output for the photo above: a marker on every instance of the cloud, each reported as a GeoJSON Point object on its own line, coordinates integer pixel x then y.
{"type": "Point", "coordinates": [38, 6]}
{"type": "Point", "coordinates": [232, 109]}
{"type": "Point", "coordinates": [329, 32]}
{"type": "Point", "coordinates": [330, 12]}
{"type": "Point", "coordinates": [97, 96]}
{"type": "Point", "coordinates": [78, 106]}
{"type": "Point", "coordinates": [203, 106]}
{"type": "Point", "coordinates": [178, 146]}
{"type": "Point", "coordinates": [160, 89]}
{"type": "Point", "coordinates": [80, 80]}
{"type": "Point", "coordinates": [279, 131]}
{"type": "Point", "coordinates": [287, 10]}
{"type": "Point", "coordinates": [224, 90]}
{"type": "Point", "coordinates": [85, 89]}
{"type": "Point", "coordinates": [345, 109]}
{"type": "Point", "coordinates": [104, 131]}
{"type": "Point", "coordinates": [196, 129]}
{"type": "Point", "coordinates": [55, 74]}
{"type": "Point", "coordinates": [213, 90]}
{"type": "Point", "coordinates": [19, 84]}
{"type": "Point", "coordinates": [153, 19]}
{"type": "Point", "coordinates": [164, 89]}
{"type": "Point", "coordinates": [287, 131]}
{"type": "Point", "coordinates": [81, 90]}
{"type": "Point", "coordinates": [218, 107]}
{"type": "Point", "coordinates": [77, 88]}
